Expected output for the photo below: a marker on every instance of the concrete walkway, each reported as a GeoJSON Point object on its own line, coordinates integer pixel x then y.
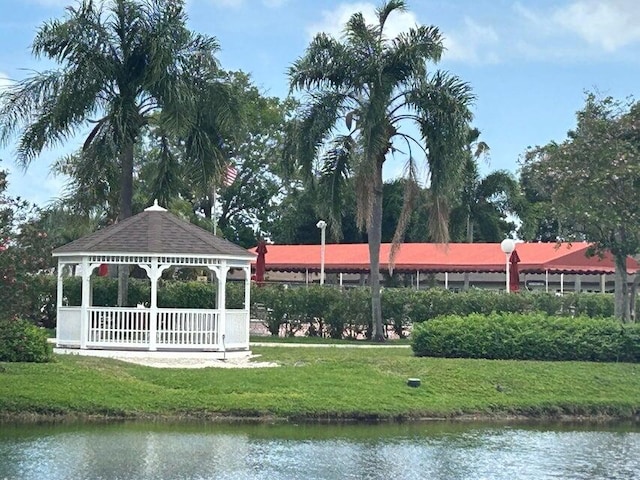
{"type": "Point", "coordinates": [324, 345]}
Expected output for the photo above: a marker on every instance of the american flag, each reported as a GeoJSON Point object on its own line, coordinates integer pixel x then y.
{"type": "Point", "coordinates": [230, 175]}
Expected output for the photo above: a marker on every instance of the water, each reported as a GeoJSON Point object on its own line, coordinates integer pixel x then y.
{"type": "Point", "coordinates": [447, 451]}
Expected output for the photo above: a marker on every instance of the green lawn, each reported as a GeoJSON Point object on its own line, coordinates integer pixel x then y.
{"type": "Point", "coordinates": [323, 383]}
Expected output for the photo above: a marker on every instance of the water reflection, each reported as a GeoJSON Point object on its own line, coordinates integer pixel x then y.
{"type": "Point", "coordinates": [434, 451]}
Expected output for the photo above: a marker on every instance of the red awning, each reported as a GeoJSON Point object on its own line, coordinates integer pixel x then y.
{"type": "Point", "coordinates": [435, 258]}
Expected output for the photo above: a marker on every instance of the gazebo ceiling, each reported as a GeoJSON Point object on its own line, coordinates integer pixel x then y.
{"type": "Point", "coordinates": [154, 231]}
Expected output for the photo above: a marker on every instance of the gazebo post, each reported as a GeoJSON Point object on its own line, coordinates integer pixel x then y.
{"type": "Point", "coordinates": [247, 294]}
{"type": "Point", "coordinates": [85, 303]}
{"type": "Point", "coordinates": [59, 292]}
{"type": "Point", "coordinates": [153, 305]}
{"type": "Point", "coordinates": [247, 287]}
{"type": "Point", "coordinates": [222, 271]}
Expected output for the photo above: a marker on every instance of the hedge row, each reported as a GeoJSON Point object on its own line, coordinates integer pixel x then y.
{"type": "Point", "coordinates": [509, 336]}
{"type": "Point", "coordinates": [346, 313]}
{"type": "Point", "coordinates": [316, 310]}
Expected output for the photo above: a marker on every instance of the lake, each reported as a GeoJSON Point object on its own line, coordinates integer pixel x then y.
{"type": "Point", "coordinates": [435, 450]}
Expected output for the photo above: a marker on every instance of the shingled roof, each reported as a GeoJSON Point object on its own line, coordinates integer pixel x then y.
{"type": "Point", "coordinates": [154, 231]}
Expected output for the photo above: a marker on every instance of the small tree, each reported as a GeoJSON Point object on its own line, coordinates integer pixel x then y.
{"type": "Point", "coordinates": [25, 250]}
{"type": "Point", "coordinates": [594, 177]}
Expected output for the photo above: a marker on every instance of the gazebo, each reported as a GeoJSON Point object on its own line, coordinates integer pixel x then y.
{"type": "Point", "coordinates": [154, 240]}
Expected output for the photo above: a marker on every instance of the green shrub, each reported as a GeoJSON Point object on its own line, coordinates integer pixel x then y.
{"type": "Point", "coordinates": [21, 341]}
{"type": "Point", "coordinates": [277, 302]}
{"type": "Point", "coordinates": [235, 295]}
{"type": "Point", "coordinates": [176, 294]}
{"type": "Point", "coordinates": [527, 337]}
{"type": "Point", "coordinates": [105, 291]}
{"type": "Point", "coordinates": [324, 311]}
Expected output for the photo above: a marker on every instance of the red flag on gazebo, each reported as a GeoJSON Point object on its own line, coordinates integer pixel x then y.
{"type": "Point", "coordinates": [103, 270]}
{"type": "Point", "coordinates": [514, 274]}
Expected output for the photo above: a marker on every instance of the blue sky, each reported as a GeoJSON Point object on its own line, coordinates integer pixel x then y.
{"type": "Point", "coordinates": [529, 62]}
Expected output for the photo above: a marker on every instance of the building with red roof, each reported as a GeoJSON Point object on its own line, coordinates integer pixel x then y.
{"type": "Point", "coordinates": [546, 265]}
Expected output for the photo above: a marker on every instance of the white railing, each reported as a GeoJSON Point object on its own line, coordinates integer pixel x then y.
{"type": "Point", "coordinates": [118, 326]}
{"type": "Point", "coordinates": [187, 328]}
{"type": "Point", "coordinates": [175, 328]}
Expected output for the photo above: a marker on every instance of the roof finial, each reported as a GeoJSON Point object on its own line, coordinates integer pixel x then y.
{"type": "Point", "coordinates": [155, 207]}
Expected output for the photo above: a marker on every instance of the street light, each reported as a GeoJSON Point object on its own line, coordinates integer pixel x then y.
{"type": "Point", "coordinates": [507, 246]}
{"type": "Point", "coordinates": [321, 225]}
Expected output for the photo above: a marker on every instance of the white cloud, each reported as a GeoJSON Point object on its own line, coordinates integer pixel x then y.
{"type": "Point", "coordinates": [606, 27]}
{"type": "Point", "coordinates": [474, 43]}
{"type": "Point", "coordinates": [333, 21]}
{"type": "Point", "coordinates": [4, 81]}
{"type": "Point", "coordinates": [609, 25]}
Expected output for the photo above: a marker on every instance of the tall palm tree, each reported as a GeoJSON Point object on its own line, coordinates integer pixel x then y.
{"type": "Point", "coordinates": [362, 91]}
{"type": "Point", "coordinates": [120, 62]}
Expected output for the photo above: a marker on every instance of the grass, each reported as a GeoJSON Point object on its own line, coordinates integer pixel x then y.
{"type": "Point", "coordinates": [323, 384]}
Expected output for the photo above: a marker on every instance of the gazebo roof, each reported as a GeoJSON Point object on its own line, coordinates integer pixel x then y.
{"type": "Point", "coordinates": [154, 231]}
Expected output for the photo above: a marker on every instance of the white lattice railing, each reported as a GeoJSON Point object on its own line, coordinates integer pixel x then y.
{"type": "Point", "coordinates": [175, 328]}
{"type": "Point", "coordinates": [118, 326]}
{"type": "Point", "coordinates": [187, 328]}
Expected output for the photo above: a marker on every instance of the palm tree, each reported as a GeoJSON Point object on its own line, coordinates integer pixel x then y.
{"type": "Point", "coordinates": [483, 202]}
{"type": "Point", "coordinates": [361, 92]}
{"type": "Point", "coordinates": [121, 62]}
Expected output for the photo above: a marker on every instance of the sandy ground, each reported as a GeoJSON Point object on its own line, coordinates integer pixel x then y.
{"type": "Point", "coordinates": [247, 362]}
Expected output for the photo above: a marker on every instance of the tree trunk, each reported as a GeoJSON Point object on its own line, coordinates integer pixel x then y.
{"type": "Point", "coordinates": [375, 238]}
{"type": "Point", "coordinates": [126, 210]}
{"type": "Point", "coordinates": [632, 298]}
{"type": "Point", "coordinates": [621, 305]}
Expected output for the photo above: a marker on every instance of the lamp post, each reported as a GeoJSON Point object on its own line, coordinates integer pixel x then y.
{"type": "Point", "coordinates": [322, 225]}
{"type": "Point", "coordinates": [507, 246]}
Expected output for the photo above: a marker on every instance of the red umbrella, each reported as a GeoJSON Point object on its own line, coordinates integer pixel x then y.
{"type": "Point", "coordinates": [260, 262]}
{"type": "Point", "coordinates": [514, 275]}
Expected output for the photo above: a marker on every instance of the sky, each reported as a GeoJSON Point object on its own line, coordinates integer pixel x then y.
{"type": "Point", "coordinates": [529, 62]}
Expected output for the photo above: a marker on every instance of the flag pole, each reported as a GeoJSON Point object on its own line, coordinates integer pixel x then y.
{"type": "Point", "coordinates": [213, 208]}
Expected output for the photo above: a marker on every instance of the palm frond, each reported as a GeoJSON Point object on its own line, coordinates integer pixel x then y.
{"type": "Point", "coordinates": [387, 9]}
{"type": "Point", "coordinates": [411, 51]}
{"type": "Point", "coordinates": [314, 125]}
{"type": "Point", "coordinates": [326, 63]}
{"type": "Point", "coordinates": [336, 170]}
{"type": "Point", "coordinates": [411, 194]}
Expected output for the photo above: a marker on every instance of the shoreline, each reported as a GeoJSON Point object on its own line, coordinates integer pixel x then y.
{"type": "Point", "coordinates": [220, 418]}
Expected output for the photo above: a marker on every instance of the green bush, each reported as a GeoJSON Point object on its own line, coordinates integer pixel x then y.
{"type": "Point", "coordinates": [323, 311]}
{"type": "Point", "coordinates": [527, 337]}
{"type": "Point", "coordinates": [105, 291]}
{"type": "Point", "coordinates": [277, 302]}
{"type": "Point", "coordinates": [21, 341]}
